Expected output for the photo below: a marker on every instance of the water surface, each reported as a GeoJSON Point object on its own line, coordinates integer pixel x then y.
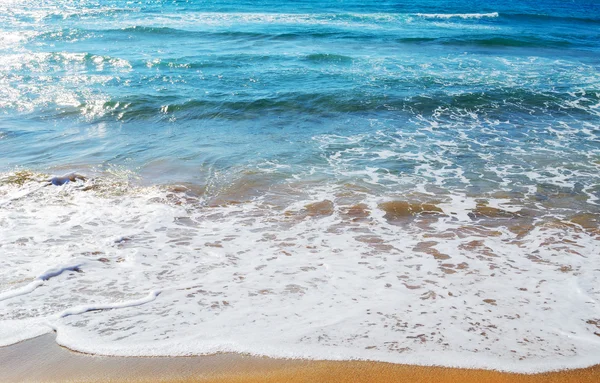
{"type": "Point", "coordinates": [399, 181]}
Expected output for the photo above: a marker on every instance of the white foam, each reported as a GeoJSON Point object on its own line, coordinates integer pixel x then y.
{"type": "Point", "coordinates": [118, 305]}
{"type": "Point", "coordinates": [39, 281]}
{"type": "Point", "coordinates": [457, 15]}
{"type": "Point", "coordinates": [276, 281]}
{"type": "Point", "coordinates": [22, 290]}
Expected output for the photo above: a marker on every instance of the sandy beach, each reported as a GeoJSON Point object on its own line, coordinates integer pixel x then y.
{"type": "Point", "coordinates": [42, 360]}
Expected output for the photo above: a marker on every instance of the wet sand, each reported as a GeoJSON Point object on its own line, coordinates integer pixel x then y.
{"type": "Point", "coordinates": [42, 360]}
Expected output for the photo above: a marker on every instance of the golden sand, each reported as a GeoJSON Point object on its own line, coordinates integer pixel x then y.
{"type": "Point", "coordinates": [381, 372]}
{"type": "Point", "coordinates": [42, 360]}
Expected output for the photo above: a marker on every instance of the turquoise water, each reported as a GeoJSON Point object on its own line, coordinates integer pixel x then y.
{"type": "Point", "coordinates": [203, 87]}
{"type": "Point", "coordinates": [412, 182]}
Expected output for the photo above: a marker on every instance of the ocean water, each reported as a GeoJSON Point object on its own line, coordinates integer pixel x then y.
{"type": "Point", "coordinates": [412, 182]}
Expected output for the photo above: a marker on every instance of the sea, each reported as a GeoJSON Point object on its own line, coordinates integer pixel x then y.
{"type": "Point", "coordinates": [402, 181]}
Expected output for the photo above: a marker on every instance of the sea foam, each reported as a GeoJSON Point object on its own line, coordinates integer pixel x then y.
{"type": "Point", "coordinates": [458, 15]}
{"type": "Point", "coordinates": [449, 283]}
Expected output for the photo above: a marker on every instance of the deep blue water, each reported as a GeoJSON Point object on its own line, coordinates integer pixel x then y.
{"type": "Point", "coordinates": [202, 91]}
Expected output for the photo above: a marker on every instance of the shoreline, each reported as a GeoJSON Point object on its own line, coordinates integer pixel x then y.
{"type": "Point", "coordinates": [41, 359]}
{"type": "Point", "coordinates": [416, 283]}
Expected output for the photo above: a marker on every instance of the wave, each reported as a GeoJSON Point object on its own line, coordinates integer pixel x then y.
{"type": "Point", "coordinates": [227, 34]}
{"type": "Point", "coordinates": [329, 58]}
{"type": "Point", "coordinates": [219, 19]}
{"type": "Point", "coordinates": [493, 101]}
{"type": "Point", "coordinates": [440, 89]}
{"type": "Point", "coordinates": [508, 41]}
{"type": "Point", "coordinates": [193, 21]}
{"type": "Point", "coordinates": [497, 41]}
{"type": "Point", "coordinates": [490, 40]}
{"type": "Point", "coordinates": [166, 24]}
{"type": "Point", "coordinates": [231, 275]}
{"type": "Point", "coordinates": [457, 15]}
{"type": "Point", "coordinates": [140, 31]}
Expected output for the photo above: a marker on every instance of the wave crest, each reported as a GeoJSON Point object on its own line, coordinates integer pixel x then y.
{"type": "Point", "coordinates": [458, 15]}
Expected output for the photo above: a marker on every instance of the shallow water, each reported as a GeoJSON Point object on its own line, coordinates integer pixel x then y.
{"type": "Point", "coordinates": [415, 183]}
